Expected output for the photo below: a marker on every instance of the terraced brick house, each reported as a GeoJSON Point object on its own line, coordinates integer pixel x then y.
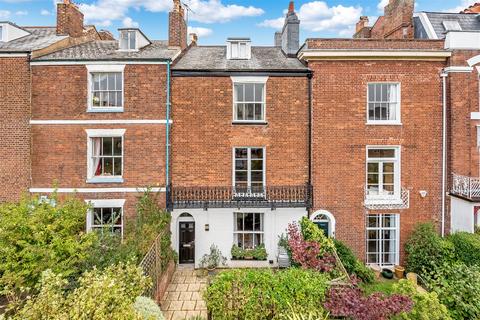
{"type": "Point", "coordinates": [366, 136]}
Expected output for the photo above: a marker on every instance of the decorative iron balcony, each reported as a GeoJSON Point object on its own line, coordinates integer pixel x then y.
{"type": "Point", "coordinates": [374, 201]}
{"type": "Point", "coordinates": [467, 187]}
{"type": "Point", "coordinates": [243, 197]}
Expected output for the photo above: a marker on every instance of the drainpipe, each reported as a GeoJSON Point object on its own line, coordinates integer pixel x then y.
{"type": "Point", "coordinates": [444, 76]}
{"type": "Point", "coordinates": [167, 134]}
{"type": "Point", "coordinates": [310, 75]}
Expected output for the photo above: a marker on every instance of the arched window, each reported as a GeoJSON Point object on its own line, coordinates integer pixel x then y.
{"type": "Point", "coordinates": [325, 221]}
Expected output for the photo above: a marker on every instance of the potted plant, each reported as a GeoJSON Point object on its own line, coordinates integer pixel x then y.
{"type": "Point", "coordinates": [399, 272]}
{"type": "Point", "coordinates": [213, 260]}
{"type": "Point", "coordinates": [248, 254]}
{"type": "Point", "coordinates": [260, 253]}
{"type": "Point", "coordinates": [237, 253]}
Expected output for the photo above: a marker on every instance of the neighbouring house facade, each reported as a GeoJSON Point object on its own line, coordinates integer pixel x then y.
{"type": "Point", "coordinates": [366, 136]}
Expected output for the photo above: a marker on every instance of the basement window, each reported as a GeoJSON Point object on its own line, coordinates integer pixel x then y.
{"type": "Point", "coordinates": [106, 216]}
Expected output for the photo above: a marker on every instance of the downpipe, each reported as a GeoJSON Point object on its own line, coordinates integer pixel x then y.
{"type": "Point", "coordinates": [167, 137]}
{"type": "Point", "coordinates": [444, 76]}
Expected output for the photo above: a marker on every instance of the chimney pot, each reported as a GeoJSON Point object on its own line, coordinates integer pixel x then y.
{"type": "Point", "coordinates": [193, 38]}
{"type": "Point", "coordinates": [291, 7]}
{"type": "Point", "coordinates": [362, 23]}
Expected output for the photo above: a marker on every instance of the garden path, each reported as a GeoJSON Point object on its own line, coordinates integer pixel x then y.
{"type": "Point", "coordinates": [184, 296]}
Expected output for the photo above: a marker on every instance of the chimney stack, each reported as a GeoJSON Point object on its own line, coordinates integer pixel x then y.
{"type": "Point", "coordinates": [290, 35]}
{"type": "Point", "coordinates": [177, 26]}
{"type": "Point", "coordinates": [362, 23]}
{"type": "Point", "coordinates": [69, 19]}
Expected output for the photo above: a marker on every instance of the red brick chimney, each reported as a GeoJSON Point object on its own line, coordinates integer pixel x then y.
{"type": "Point", "coordinates": [177, 27]}
{"type": "Point", "coordinates": [397, 22]}
{"type": "Point", "coordinates": [362, 23]}
{"type": "Point", "coordinates": [69, 19]}
{"type": "Point", "coordinates": [475, 8]}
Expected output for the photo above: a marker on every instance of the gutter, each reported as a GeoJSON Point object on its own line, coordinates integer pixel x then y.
{"type": "Point", "coordinates": [444, 76]}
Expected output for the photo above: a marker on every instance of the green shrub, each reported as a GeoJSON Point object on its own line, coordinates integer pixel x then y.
{"type": "Point", "coordinates": [259, 253]}
{"type": "Point", "coordinates": [311, 232]}
{"type": "Point", "coordinates": [426, 305]}
{"type": "Point", "coordinates": [426, 250]}
{"type": "Point", "coordinates": [352, 264]}
{"type": "Point", "coordinates": [467, 247]}
{"type": "Point", "coordinates": [265, 294]}
{"type": "Point", "coordinates": [458, 288]}
{"type": "Point", "coordinates": [101, 295]}
{"type": "Point", "coordinates": [237, 252]}
{"type": "Point", "coordinates": [36, 236]}
{"type": "Point", "coordinates": [148, 309]}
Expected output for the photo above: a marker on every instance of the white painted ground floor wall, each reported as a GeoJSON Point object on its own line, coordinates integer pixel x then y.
{"type": "Point", "coordinates": [462, 215]}
{"type": "Point", "coordinates": [221, 229]}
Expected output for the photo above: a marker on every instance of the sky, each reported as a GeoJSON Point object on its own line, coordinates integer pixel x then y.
{"type": "Point", "coordinates": [216, 20]}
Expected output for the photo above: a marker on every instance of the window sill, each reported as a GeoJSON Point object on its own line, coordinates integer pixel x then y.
{"type": "Point", "coordinates": [250, 123]}
{"type": "Point", "coordinates": [383, 123]}
{"type": "Point", "coordinates": [104, 110]}
{"type": "Point", "coordinates": [105, 180]}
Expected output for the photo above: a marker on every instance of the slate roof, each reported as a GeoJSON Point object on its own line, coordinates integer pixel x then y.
{"type": "Point", "coordinates": [468, 22]}
{"type": "Point", "coordinates": [214, 58]}
{"type": "Point", "coordinates": [108, 50]}
{"type": "Point", "coordinates": [39, 38]}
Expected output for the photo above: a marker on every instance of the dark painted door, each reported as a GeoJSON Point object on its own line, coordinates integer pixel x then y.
{"type": "Point", "coordinates": [324, 226]}
{"type": "Point", "coordinates": [187, 242]}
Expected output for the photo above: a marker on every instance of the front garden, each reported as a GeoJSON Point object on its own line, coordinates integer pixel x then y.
{"type": "Point", "coordinates": [326, 281]}
{"type": "Point", "coordinates": [50, 268]}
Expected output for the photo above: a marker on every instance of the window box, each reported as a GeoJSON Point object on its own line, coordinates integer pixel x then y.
{"type": "Point", "coordinates": [258, 253]}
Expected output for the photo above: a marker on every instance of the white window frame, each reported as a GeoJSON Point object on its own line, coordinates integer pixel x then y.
{"type": "Point", "coordinates": [128, 40]}
{"type": "Point", "coordinates": [103, 133]}
{"type": "Point", "coordinates": [104, 203]}
{"type": "Point", "coordinates": [249, 80]}
{"type": "Point", "coordinates": [382, 197]}
{"type": "Point", "coordinates": [233, 46]}
{"type": "Point", "coordinates": [104, 69]}
{"type": "Point", "coordinates": [398, 108]}
{"type": "Point", "coordinates": [243, 232]}
{"type": "Point", "coordinates": [249, 159]}
{"type": "Point", "coordinates": [380, 244]}
{"type": "Point", "coordinates": [2, 30]}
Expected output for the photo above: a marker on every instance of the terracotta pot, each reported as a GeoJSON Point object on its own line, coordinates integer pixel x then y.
{"type": "Point", "coordinates": [399, 272]}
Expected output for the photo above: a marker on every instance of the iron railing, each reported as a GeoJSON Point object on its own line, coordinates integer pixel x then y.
{"type": "Point", "coordinates": [387, 202]}
{"type": "Point", "coordinates": [468, 187]}
{"type": "Point", "coordinates": [243, 197]}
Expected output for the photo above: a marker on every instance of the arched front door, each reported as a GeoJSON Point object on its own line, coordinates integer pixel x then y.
{"type": "Point", "coordinates": [186, 236]}
{"type": "Point", "coordinates": [325, 221]}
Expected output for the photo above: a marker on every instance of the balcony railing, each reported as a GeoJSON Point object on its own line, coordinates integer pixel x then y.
{"type": "Point", "coordinates": [468, 187]}
{"type": "Point", "coordinates": [375, 201]}
{"type": "Point", "coordinates": [244, 197]}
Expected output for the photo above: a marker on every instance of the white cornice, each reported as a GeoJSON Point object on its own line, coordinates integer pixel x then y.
{"type": "Point", "coordinates": [76, 63]}
{"type": "Point", "coordinates": [320, 54]}
{"type": "Point", "coordinates": [13, 55]}
{"type": "Point", "coordinates": [94, 190]}
{"type": "Point", "coordinates": [97, 122]}
{"type": "Point", "coordinates": [458, 69]}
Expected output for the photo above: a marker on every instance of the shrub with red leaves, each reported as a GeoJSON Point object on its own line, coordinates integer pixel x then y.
{"type": "Point", "coordinates": [307, 254]}
{"type": "Point", "coordinates": [350, 302]}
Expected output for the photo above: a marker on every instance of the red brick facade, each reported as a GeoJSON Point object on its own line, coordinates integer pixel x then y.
{"type": "Point", "coordinates": [15, 128]}
{"type": "Point", "coordinates": [204, 136]}
{"type": "Point", "coordinates": [341, 135]}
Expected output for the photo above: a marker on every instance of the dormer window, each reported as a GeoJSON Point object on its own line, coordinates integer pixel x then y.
{"type": "Point", "coordinates": [239, 48]}
{"type": "Point", "coordinates": [128, 40]}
